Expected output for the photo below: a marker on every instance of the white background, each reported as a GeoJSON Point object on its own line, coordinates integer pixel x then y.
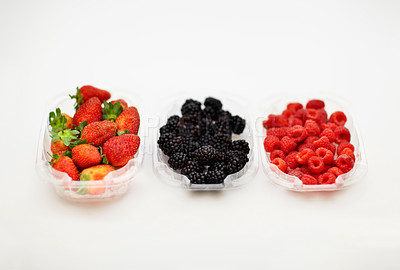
{"type": "Point", "coordinates": [154, 48]}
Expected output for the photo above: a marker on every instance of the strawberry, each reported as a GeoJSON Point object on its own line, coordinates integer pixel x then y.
{"type": "Point", "coordinates": [112, 111]}
{"type": "Point", "coordinates": [86, 92]}
{"type": "Point", "coordinates": [121, 101]}
{"type": "Point", "coordinates": [58, 148]}
{"type": "Point", "coordinates": [70, 121]}
{"type": "Point", "coordinates": [97, 172]}
{"type": "Point", "coordinates": [85, 155]}
{"type": "Point", "coordinates": [99, 132]}
{"type": "Point", "coordinates": [120, 149]}
{"type": "Point", "coordinates": [90, 111]}
{"type": "Point", "coordinates": [129, 119]}
{"type": "Point", "coordinates": [65, 164]}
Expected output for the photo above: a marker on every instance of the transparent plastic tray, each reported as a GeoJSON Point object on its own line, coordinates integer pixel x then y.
{"type": "Point", "coordinates": [115, 183]}
{"type": "Point", "coordinates": [235, 106]}
{"type": "Point", "coordinates": [275, 105]}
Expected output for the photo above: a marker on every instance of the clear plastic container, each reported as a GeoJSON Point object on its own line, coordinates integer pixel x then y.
{"type": "Point", "coordinates": [114, 184]}
{"type": "Point", "coordinates": [275, 105]}
{"type": "Point", "coordinates": [235, 106]}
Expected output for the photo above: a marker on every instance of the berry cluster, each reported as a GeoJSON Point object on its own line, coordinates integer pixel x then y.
{"type": "Point", "coordinates": [199, 144]}
{"type": "Point", "coordinates": [305, 143]}
{"type": "Point", "coordinates": [100, 137]}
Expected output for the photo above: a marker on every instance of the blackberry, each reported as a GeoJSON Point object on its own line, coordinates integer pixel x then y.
{"type": "Point", "coordinates": [210, 113]}
{"type": "Point", "coordinates": [173, 120]}
{"type": "Point", "coordinates": [240, 145]}
{"type": "Point", "coordinates": [205, 155]}
{"type": "Point", "coordinates": [238, 124]}
{"type": "Point", "coordinates": [218, 166]}
{"type": "Point", "coordinates": [224, 116]}
{"type": "Point", "coordinates": [214, 103]}
{"type": "Point", "coordinates": [222, 142]}
{"type": "Point", "coordinates": [189, 145]}
{"type": "Point", "coordinates": [236, 160]}
{"type": "Point", "coordinates": [191, 107]}
{"type": "Point", "coordinates": [192, 166]}
{"type": "Point", "coordinates": [169, 143]}
{"type": "Point", "coordinates": [197, 178]}
{"type": "Point", "coordinates": [215, 177]}
{"type": "Point", "coordinates": [178, 160]}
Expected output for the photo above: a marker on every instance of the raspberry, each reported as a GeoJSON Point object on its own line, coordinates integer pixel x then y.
{"type": "Point", "coordinates": [345, 163]}
{"type": "Point", "coordinates": [294, 107]}
{"type": "Point", "coordinates": [338, 118]}
{"type": "Point", "coordinates": [335, 170]}
{"type": "Point", "coordinates": [293, 121]}
{"type": "Point", "coordinates": [303, 156]}
{"type": "Point", "coordinates": [275, 121]}
{"type": "Point", "coordinates": [328, 125]}
{"type": "Point", "coordinates": [278, 132]}
{"type": "Point", "coordinates": [271, 143]}
{"type": "Point", "coordinates": [332, 147]}
{"type": "Point", "coordinates": [325, 154]}
{"type": "Point", "coordinates": [322, 142]}
{"type": "Point", "coordinates": [326, 178]}
{"type": "Point", "coordinates": [305, 146]}
{"type": "Point", "coordinates": [296, 172]}
{"type": "Point", "coordinates": [308, 180]}
{"type": "Point", "coordinates": [280, 163]}
{"type": "Point", "coordinates": [344, 145]}
{"type": "Point", "coordinates": [324, 116]}
{"type": "Point", "coordinates": [328, 133]}
{"type": "Point", "coordinates": [298, 133]}
{"type": "Point", "coordinates": [300, 114]}
{"type": "Point", "coordinates": [291, 161]}
{"type": "Point", "coordinates": [305, 169]}
{"type": "Point", "coordinates": [342, 134]}
{"type": "Point", "coordinates": [277, 154]}
{"type": "Point", "coordinates": [311, 139]}
{"type": "Point", "coordinates": [288, 144]}
{"type": "Point", "coordinates": [312, 128]}
{"type": "Point", "coordinates": [315, 164]}
{"type": "Point", "coordinates": [315, 104]}
{"type": "Point", "coordinates": [349, 152]}
{"type": "Point", "coordinates": [312, 114]}
{"type": "Point", "coordinates": [287, 113]}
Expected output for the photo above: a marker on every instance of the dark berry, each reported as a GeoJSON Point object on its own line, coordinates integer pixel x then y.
{"type": "Point", "coordinates": [192, 166]}
{"type": "Point", "coordinates": [206, 155]}
{"type": "Point", "coordinates": [178, 160]}
{"type": "Point", "coordinates": [169, 143]}
{"type": "Point", "coordinates": [238, 124]}
{"type": "Point", "coordinates": [241, 145]}
{"type": "Point", "coordinates": [213, 103]}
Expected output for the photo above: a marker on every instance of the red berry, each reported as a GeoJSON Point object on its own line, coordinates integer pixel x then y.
{"type": "Point", "coordinates": [275, 121]}
{"type": "Point", "coordinates": [311, 139]}
{"type": "Point", "coordinates": [305, 146]}
{"type": "Point", "coordinates": [328, 125]}
{"type": "Point", "coordinates": [291, 161]}
{"type": "Point", "coordinates": [280, 163]}
{"type": "Point", "coordinates": [294, 107]}
{"type": "Point", "coordinates": [277, 154]}
{"type": "Point", "coordinates": [296, 172]}
{"type": "Point", "coordinates": [325, 154]}
{"type": "Point", "coordinates": [287, 113]}
{"type": "Point", "coordinates": [305, 169]}
{"type": "Point", "coordinates": [345, 163]}
{"type": "Point", "coordinates": [278, 132]}
{"type": "Point", "coordinates": [322, 142]}
{"type": "Point", "coordinates": [298, 133]}
{"type": "Point", "coordinates": [315, 164]}
{"type": "Point", "coordinates": [300, 114]}
{"type": "Point", "coordinates": [315, 104]}
{"type": "Point", "coordinates": [288, 144]}
{"type": "Point", "coordinates": [312, 114]}
{"type": "Point", "coordinates": [293, 121]}
{"type": "Point", "coordinates": [349, 152]}
{"type": "Point", "coordinates": [344, 145]}
{"type": "Point", "coordinates": [338, 118]}
{"type": "Point", "coordinates": [303, 156]}
{"type": "Point", "coordinates": [271, 143]}
{"type": "Point", "coordinates": [312, 128]}
{"type": "Point", "coordinates": [342, 134]}
{"type": "Point", "coordinates": [324, 116]}
{"type": "Point", "coordinates": [335, 170]}
{"type": "Point", "coordinates": [309, 180]}
{"type": "Point", "coordinates": [326, 178]}
{"type": "Point", "coordinates": [328, 133]}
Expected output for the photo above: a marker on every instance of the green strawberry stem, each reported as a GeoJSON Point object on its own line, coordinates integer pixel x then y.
{"type": "Point", "coordinates": [112, 111]}
{"type": "Point", "coordinates": [78, 98]}
{"type": "Point", "coordinates": [57, 120]}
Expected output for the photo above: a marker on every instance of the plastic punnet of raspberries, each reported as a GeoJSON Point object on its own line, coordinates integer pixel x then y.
{"type": "Point", "coordinates": [305, 142]}
{"type": "Point", "coordinates": [199, 143]}
{"type": "Point", "coordinates": [99, 138]}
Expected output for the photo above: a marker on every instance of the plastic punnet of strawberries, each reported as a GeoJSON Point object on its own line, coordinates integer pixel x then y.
{"type": "Point", "coordinates": [307, 144]}
{"type": "Point", "coordinates": [101, 137]}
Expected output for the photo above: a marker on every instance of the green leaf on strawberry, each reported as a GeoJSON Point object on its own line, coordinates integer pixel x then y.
{"type": "Point", "coordinates": [57, 120]}
{"type": "Point", "coordinates": [78, 98]}
{"type": "Point", "coordinates": [119, 133]}
{"type": "Point", "coordinates": [65, 135]}
{"type": "Point", "coordinates": [112, 111]}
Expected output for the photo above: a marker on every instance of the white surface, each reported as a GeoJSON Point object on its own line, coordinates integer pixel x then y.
{"type": "Point", "coordinates": [255, 48]}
